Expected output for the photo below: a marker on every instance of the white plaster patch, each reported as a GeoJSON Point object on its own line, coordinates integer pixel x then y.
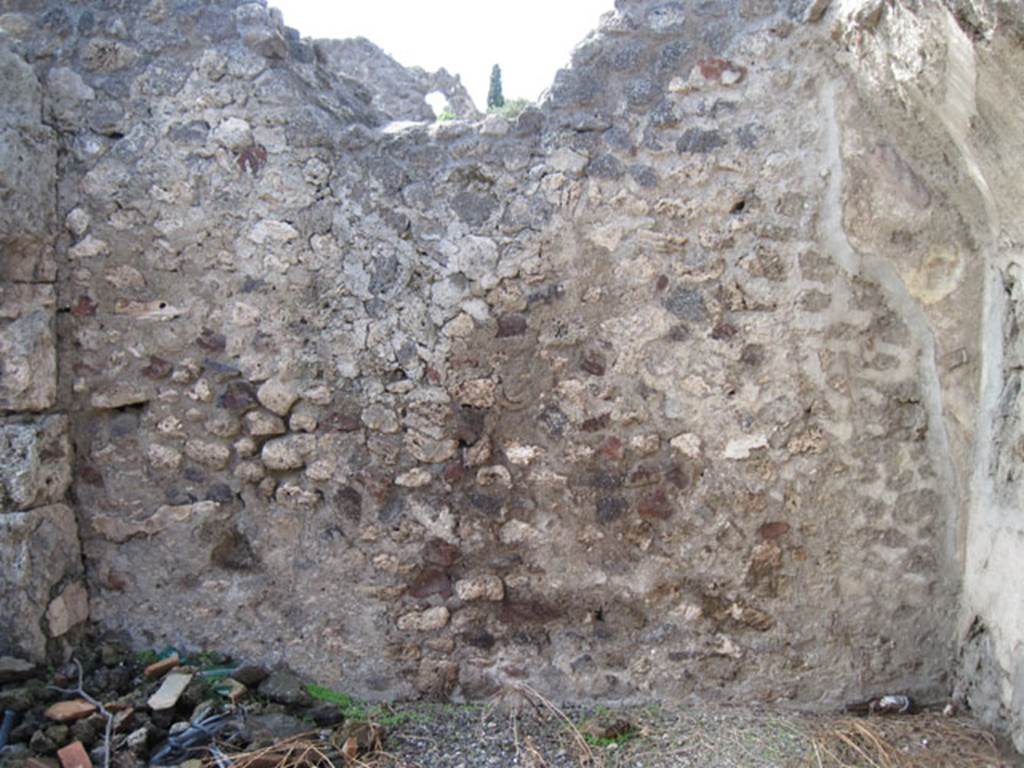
{"type": "Point", "coordinates": [742, 447]}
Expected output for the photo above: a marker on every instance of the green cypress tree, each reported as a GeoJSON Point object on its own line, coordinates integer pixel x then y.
{"type": "Point", "coordinates": [494, 95]}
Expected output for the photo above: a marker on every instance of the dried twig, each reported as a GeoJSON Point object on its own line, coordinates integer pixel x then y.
{"type": "Point", "coordinates": [533, 754]}
{"type": "Point", "coordinates": [299, 751]}
{"type": "Point", "coordinates": [80, 691]}
{"type": "Point", "coordinates": [542, 704]}
{"type": "Point", "coordinates": [915, 741]}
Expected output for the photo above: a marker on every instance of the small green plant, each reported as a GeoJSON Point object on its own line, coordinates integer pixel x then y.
{"type": "Point", "coordinates": [351, 708]}
{"type": "Point", "coordinates": [603, 730]}
{"type": "Point", "coordinates": [147, 657]}
{"type": "Point", "coordinates": [510, 109]}
{"type": "Point", "coordinates": [606, 741]}
{"type": "Point", "coordinates": [654, 709]}
{"type": "Point", "coordinates": [354, 709]}
{"type": "Point", "coordinates": [205, 659]}
{"type": "Point", "coordinates": [445, 116]}
{"type": "Point", "coordinates": [387, 717]}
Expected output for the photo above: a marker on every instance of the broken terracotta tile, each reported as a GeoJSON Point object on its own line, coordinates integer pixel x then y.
{"type": "Point", "coordinates": [66, 711]}
{"type": "Point", "coordinates": [74, 756]}
{"type": "Point", "coordinates": [159, 668]}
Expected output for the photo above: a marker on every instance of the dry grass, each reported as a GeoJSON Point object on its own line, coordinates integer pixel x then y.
{"type": "Point", "coordinates": [512, 698]}
{"type": "Point", "coordinates": [916, 741]}
{"type": "Point", "coordinates": [304, 750]}
{"type": "Point", "coordinates": [315, 749]}
{"type": "Point", "coordinates": [523, 722]}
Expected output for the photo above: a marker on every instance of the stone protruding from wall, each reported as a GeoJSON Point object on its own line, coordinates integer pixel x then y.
{"type": "Point", "coordinates": [28, 347]}
{"type": "Point", "coordinates": [41, 588]}
{"type": "Point", "coordinates": [396, 91]}
{"type": "Point", "coordinates": [28, 163]}
{"type": "Point", "coordinates": [35, 462]}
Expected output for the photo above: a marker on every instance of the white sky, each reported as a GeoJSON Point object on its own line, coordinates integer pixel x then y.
{"type": "Point", "coordinates": [529, 39]}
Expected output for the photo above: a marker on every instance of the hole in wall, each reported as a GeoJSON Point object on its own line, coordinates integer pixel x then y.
{"type": "Point", "coordinates": [437, 101]}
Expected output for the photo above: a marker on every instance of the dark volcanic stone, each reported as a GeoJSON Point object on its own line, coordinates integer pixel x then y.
{"type": "Point", "coordinates": [234, 552]}
{"type": "Point", "coordinates": [553, 421]}
{"type": "Point", "coordinates": [512, 324]}
{"type": "Point", "coordinates": [440, 553]}
{"type": "Point", "coordinates": [686, 304]}
{"type": "Point", "coordinates": [340, 422]}
{"type": "Point", "coordinates": [250, 674]}
{"type": "Point", "coordinates": [655, 506]}
{"type": "Point", "coordinates": [610, 508]}
{"type": "Point", "coordinates": [220, 492]}
{"type": "Point", "coordinates": [474, 209]}
{"type": "Point", "coordinates": [479, 638]}
{"type": "Point", "coordinates": [490, 505]}
{"type": "Point", "coordinates": [326, 715]}
{"type": "Point", "coordinates": [13, 669]}
{"type": "Point", "coordinates": [593, 362]}
{"type": "Point", "coordinates": [349, 503]}
{"type": "Point", "coordinates": [18, 699]}
{"type": "Point", "coordinates": [469, 424]}
{"type": "Point", "coordinates": [285, 687]}
{"type": "Point", "coordinates": [238, 396]}
{"type": "Point", "coordinates": [158, 368]}
{"type": "Point", "coordinates": [723, 331]}
{"type": "Point", "coordinates": [606, 167]}
{"type": "Point", "coordinates": [644, 175]}
{"type": "Point", "coordinates": [696, 141]}
{"type": "Point", "coordinates": [211, 341]}
{"type": "Point", "coordinates": [430, 581]}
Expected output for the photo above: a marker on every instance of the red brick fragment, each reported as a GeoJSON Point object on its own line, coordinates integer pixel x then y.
{"type": "Point", "coordinates": [84, 307]}
{"type": "Point", "coordinates": [613, 449]}
{"type": "Point", "coordinates": [655, 506]}
{"type": "Point", "coordinates": [158, 368]}
{"type": "Point", "coordinates": [721, 70]}
{"type": "Point", "coordinates": [66, 711]}
{"type": "Point", "coordinates": [161, 667]}
{"type": "Point", "coordinates": [773, 529]}
{"type": "Point", "coordinates": [74, 756]}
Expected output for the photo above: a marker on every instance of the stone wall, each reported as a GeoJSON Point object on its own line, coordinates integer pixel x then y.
{"type": "Point", "coordinates": [40, 561]}
{"type": "Point", "coordinates": [957, 73]}
{"type": "Point", "coordinates": [682, 383]}
{"type": "Point", "coordinates": [396, 91]}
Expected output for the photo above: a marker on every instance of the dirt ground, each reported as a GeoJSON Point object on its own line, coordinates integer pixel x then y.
{"type": "Point", "coordinates": [534, 736]}
{"type": "Point", "coordinates": [284, 721]}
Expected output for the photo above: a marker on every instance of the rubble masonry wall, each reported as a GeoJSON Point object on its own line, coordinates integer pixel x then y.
{"type": "Point", "coordinates": [696, 380]}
